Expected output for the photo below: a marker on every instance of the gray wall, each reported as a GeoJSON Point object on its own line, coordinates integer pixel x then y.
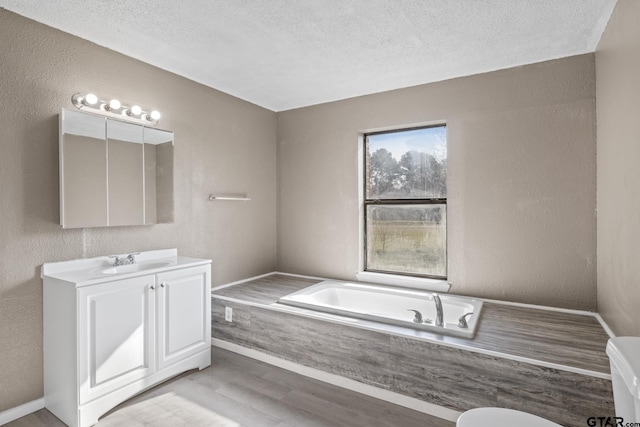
{"type": "Point", "coordinates": [221, 144]}
{"type": "Point", "coordinates": [618, 106]}
{"type": "Point", "coordinates": [521, 183]}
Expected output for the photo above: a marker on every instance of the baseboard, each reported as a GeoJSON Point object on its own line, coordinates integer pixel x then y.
{"type": "Point", "coordinates": [20, 411]}
{"type": "Point", "coordinates": [226, 285]}
{"type": "Point", "coordinates": [604, 325]}
{"type": "Point", "coordinates": [302, 276]}
{"type": "Point", "coordinates": [349, 384]}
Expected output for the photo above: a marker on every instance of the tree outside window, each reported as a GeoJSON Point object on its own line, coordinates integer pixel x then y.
{"type": "Point", "coordinates": [405, 202]}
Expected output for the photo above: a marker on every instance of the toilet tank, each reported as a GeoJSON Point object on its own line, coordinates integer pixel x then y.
{"type": "Point", "coordinates": [624, 357]}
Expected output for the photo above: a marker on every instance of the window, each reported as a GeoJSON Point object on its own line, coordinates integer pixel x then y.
{"type": "Point", "coordinates": [405, 204]}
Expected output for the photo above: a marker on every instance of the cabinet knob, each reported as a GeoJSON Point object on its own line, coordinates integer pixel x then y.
{"type": "Point", "coordinates": [162, 285]}
{"type": "Point", "coordinates": [152, 287]}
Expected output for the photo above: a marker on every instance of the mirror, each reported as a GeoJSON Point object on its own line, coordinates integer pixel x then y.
{"type": "Point", "coordinates": [113, 173]}
{"type": "Point", "coordinates": [125, 173]}
{"type": "Point", "coordinates": [158, 166]}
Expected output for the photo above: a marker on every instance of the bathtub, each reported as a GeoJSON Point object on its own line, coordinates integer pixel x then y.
{"type": "Point", "coordinates": [388, 305]}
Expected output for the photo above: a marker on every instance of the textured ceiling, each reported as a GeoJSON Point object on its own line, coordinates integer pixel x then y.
{"type": "Point", "coordinates": [283, 54]}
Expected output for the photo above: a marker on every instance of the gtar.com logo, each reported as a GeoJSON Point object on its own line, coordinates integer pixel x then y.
{"type": "Point", "coordinates": [609, 422]}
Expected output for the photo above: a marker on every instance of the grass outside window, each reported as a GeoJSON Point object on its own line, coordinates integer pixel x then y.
{"type": "Point", "coordinates": [405, 202]}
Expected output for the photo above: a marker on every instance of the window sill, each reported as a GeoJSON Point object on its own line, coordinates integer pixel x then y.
{"type": "Point", "coordinates": [422, 283]}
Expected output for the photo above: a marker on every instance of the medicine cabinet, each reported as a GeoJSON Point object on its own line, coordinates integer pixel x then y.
{"type": "Point", "coordinates": [113, 172]}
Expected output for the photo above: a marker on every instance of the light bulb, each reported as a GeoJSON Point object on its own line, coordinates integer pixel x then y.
{"type": "Point", "coordinates": [90, 99]}
{"type": "Point", "coordinates": [136, 110]}
{"type": "Point", "coordinates": [155, 115]}
{"type": "Point", "coordinates": [114, 104]}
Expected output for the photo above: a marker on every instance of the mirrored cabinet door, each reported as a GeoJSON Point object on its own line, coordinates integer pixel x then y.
{"type": "Point", "coordinates": [125, 157]}
{"type": "Point", "coordinates": [113, 172]}
{"type": "Point", "coordinates": [83, 170]}
{"type": "Point", "coordinates": [158, 166]}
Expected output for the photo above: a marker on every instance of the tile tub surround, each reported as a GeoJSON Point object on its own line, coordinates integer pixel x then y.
{"type": "Point", "coordinates": [548, 363]}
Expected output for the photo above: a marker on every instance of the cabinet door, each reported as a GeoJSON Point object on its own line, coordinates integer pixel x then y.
{"type": "Point", "coordinates": [184, 313]}
{"type": "Point", "coordinates": [83, 170]}
{"type": "Point", "coordinates": [116, 328]}
{"type": "Point", "coordinates": [125, 165]}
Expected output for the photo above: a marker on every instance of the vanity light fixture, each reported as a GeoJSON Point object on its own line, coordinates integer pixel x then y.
{"type": "Point", "coordinates": [90, 99]}
{"type": "Point", "coordinates": [114, 108]}
{"type": "Point", "coordinates": [114, 104]}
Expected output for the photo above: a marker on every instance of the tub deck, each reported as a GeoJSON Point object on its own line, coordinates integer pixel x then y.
{"type": "Point", "coordinates": [548, 363]}
{"type": "Point", "coordinates": [567, 339]}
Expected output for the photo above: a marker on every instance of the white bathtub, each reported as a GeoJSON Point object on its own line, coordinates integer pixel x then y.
{"type": "Point", "coordinates": [388, 305]}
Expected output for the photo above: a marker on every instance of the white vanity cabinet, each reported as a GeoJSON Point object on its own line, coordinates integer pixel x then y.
{"type": "Point", "coordinates": [116, 335]}
{"type": "Point", "coordinates": [183, 306]}
{"type": "Point", "coordinates": [109, 336]}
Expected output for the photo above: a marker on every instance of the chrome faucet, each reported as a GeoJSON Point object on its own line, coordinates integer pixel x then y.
{"type": "Point", "coordinates": [418, 316]}
{"type": "Point", "coordinates": [439, 312]}
{"type": "Point", "coordinates": [124, 260]}
{"type": "Point", "coordinates": [462, 321]}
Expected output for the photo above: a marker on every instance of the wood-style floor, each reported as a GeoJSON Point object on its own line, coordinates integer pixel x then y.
{"type": "Point", "coordinates": [237, 391]}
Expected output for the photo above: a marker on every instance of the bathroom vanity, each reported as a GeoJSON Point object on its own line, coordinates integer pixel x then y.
{"type": "Point", "coordinates": [112, 331]}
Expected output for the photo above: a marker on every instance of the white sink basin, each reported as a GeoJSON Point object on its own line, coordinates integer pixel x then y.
{"type": "Point", "coordinates": [132, 268]}
{"type": "Point", "coordinates": [90, 271]}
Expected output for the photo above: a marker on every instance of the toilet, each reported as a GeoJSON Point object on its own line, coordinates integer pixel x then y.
{"type": "Point", "coordinates": [501, 417]}
{"type": "Point", "coordinates": [624, 356]}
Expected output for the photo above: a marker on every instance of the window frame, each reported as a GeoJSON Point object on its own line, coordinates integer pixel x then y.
{"type": "Point", "coordinates": [400, 202]}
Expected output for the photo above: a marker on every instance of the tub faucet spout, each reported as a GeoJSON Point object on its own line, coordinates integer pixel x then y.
{"type": "Point", "coordinates": [439, 313]}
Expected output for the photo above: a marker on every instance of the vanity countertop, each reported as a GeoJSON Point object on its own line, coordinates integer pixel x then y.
{"type": "Point", "coordinates": [91, 271]}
